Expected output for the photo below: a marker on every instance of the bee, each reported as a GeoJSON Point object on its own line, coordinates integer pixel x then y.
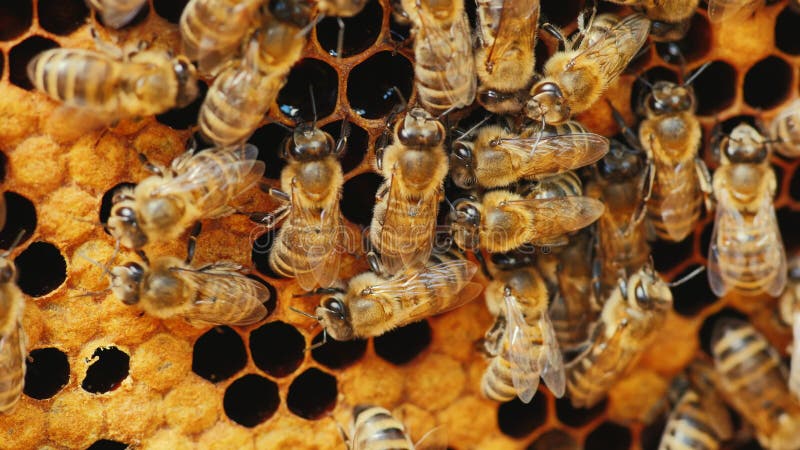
{"type": "Point", "coordinates": [746, 251]}
{"type": "Point", "coordinates": [375, 428]}
{"type": "Point", "coordinates": [752, 379]}
{"type": "Point", "coordinates": [722, 10]}
{"type": "Point", "coordinates": [110, 85]}
{"type": "Point", "coordinates": [197, 186]}
{"type": "Point", "coordinates": [670, 19]}
{"type": "Point", "coordinates": [503, 221]}
{"type": "Point", "coordinates": [309, 244]}
{"type": "Point", "coordinates": [407, 203]}
{"type": "Point", "coordinates": [522, 342]}
{"type": "Point", "coordinates": [12, 335]}
{"type": "Point", "coordinates": [498, 157]}
{"type": "Point", "coordinates": [212, 30]}
{"type": "Point", "coordinates": [445, 69]}
{"type": "Point", "coordinates": [505, 57]}
{"type": "Point", "coordinates": [575, 79]}
{"type": "Point", "coordinates": [785, 130]}
{"type": "Point", "coordinates": [790, 314]}
{"type": "Point", "coordinates": [572, 308]}
{"type": "Point", "coordinates": [631, 317]}
{"type": "Point", "coordinates": [117, 13]}
{"type": "Point", "coordinates": [374, 303]}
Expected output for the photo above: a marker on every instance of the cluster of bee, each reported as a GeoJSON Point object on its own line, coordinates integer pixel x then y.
{"type": "Point", "coordinates": [533, 177]}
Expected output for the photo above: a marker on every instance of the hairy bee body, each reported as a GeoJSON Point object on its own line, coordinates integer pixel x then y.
{"type": "Point", "coordinates": [117, 13]}
{"type": "Point", "coordinates": [555, 186]}
{"type": "Point", "coordinates": [629, 321]}
{"type": "Point", "coordinates": [375, 428]}
{"type": "Point", "coordinates": [785, 130]}
{"type": "Point", "coordinates": [671, 18]}
{"type": "Point", "coordinates": [12, 337]}
{"type": "Point", "coordinates": [573, 310]}
{"type": "Point", "coordinates": [789, 308]}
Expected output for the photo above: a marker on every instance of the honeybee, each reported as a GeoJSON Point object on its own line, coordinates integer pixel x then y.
{"type": "Point", "coordinates": [498, 157]}
{"type": "Point", "coordinates": [110, 85]}
{"type": "Point", "coordinates": [785, 130]}
{"type": "Point", "coordinates": [376, 428]}
{"type": "Point", "coordinates": [790, 313]}
{"type": "Point", "coordinates": [309, 244]}
{"type": "Point", "coordinates": [631, 317]}
{"type": "Point", "coordinates": [505, 58]}
{"type": "Point", "coordinates": [12, 335]}
{"type": "Point", "coordinates": [746, 251]}
{"type": "Point", "coordinates": [407, 203]}
{"type": "Point", "coordinates": [197, 186]}
{"type": "Point", "coordinates": [502, 220]}
{"type": "Point", "coordinates": [572, 309]}
{"type": "Point", "coordinates": [753, 380]}
{"type": "Point", "coordinates": [551, 187]}
{"type": "Point", "coordinates": [212, 30]}
{"type": "Point", "coordinates": [575, 79]}
{"type": "Point", "coordinates": [671, 18]}
{"type": "Point", "coordinates": [374, 303]}
{"type": "Point", "coordinates": [445, 69]}
{"type": "Point", "coordinates": [722, 10]}
{"type": "Point", "coordinates": [522, 341]}
{"type": "Point", "coordinates": [117, 13]}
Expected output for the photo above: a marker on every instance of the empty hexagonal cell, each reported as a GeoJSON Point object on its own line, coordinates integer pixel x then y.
{"type": "Point", "coordinates": [608, 436]}
{"type": "Point", "coordinates": [694, 45]}
{"type": "Point", "coordinates": [15, 18]}
{"type": "Point", "coordinates": [20, 219]}
{"type": "Point", "coordinates": [21, 54]}
{"type": "Point", "coordinates": [359, 193]}
{"type": "Point", "coordinates": [667, 255]}
{"type": "Point", "coordinates": [577, 417]}
{"type": "Point", "coordinates": [183, 118]}
{"type": "Point", "coordinates": [555, 439]}
{"type": "Point", "coordinates": [357, 144]}
{"type": "Point", "coordinates": [170, 9]}
{"type": "Point", "coordinates": [277, 348]}
{"type": "Point", "coordinates": [62, 17]}
{"type": "Point", "coordinates": [517, 419]}
{"type": "Point", "coordinates": [108, 444]}
{"type": "Point", "coordinates": [42, 268]}
{"type": "Point", "coordinates": [372, 85]}
{"type": "Point", "coordinates": [251, 400]}
{"type": "Point", "coordinates": [338, 354]}
{"type": "Point", "coordinates": [294, 99]}
{"type": "Point", "coordinates": [560, 13]}
{"type": "Point", "coordinates": [715, 88]}
{"type": "Point", "coordinates": [789, 220]}
{"type": "Point", "coordinates": [794, 185]}
{"type": "Point", "coordinates": [109, 367]}
{"type": "Point", "coordinates": [269, 140]}
{"type": "Point", "coordinates": [403, 344]}
{"type": "Point", "coordinates": [3, 157]}
{"type": "Point", "coordinates": [767, 83]}
{"type": "Point", "coordinates": [47, 371]}
{"type": "Point", "coordinates": [786, 31]}
{"type": "Point", "coordinates": [691, 297]}
{"type": "Point", "coordinates": [360, 31]}
{"type": "Point", "coordinates": [312, 394]}
{"type": "Point", "coordinates": [218, 354]}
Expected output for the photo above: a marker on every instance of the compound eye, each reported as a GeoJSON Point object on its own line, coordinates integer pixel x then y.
{"type": "Point", "coordinates": [334, 305]}
{"type": "Point", "coordinates": [127, 214]}
{"type": "Point", "coordinates": [641, 295]}
{"type": "Point", "coordinates": [136, 270]}
{"type": "Point", "coordinates": [463, 152]}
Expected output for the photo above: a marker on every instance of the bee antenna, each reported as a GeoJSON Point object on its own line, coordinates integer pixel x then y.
{"type": "Point", "coordinates": [93, 262]}
{"type": "Point", "coordinates": [645, 82]}
{"type": "Point", "coordinates": [474, 127]}
{"type": "Point", "coordinates": [303, 313]}
{"type": "Point", "coordinates": [320, 343]}
{"type": "Point", "coordinates": [696, 74]}
{"type": "Point", "coordinates": [402, 98]}
{"type": "Point", "coordinates": [687, 277]}
{"type": "Point", "coordinates": [14, 243]}
{"type": "Point", "coordinates": [450, 204]}
{"type": "Point", "coordinates": [313, 103]}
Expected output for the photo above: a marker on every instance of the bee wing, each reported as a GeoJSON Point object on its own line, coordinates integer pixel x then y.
{"type": "Point", "coordinates": [451, 50]}
{"type": "Point", "coordinates": [319, 239]}
{"type": "Point", "coordinates": [119, 17]}
{"type": "Point", "coordinates": [615, 50]}
{"type": "Point", "coordinates": [551, 361]}
{"type": "Point", "coordinates": [722, 10]}
{"type": "Point", "coordinates": [514, 13]}
{"type": "Point", "coordinates": [224, 296]}
{"type": "Point", "coordinates": [70, 122]}
{"type": "Point", "coordinates": [556, 154]}
{"type": "Point", "coordinates": [794, 364]}
{"type": "Point", "coordinates": [519, 352]}
{"type": "Point", "coordinates": [556, 216]}
{"type": "Point", "coordinates": [775, 255]}
{"type": "Point", "coordinates": [726, 213]}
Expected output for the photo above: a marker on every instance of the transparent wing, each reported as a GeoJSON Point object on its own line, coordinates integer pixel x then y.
{"type": "Point", "coordinates": [775, 254]}
{"type": "Point", "coordinates": [727, 217]}
{"type": "Point", "coordinates": [519, 351]}
{"type": "Point", "coordinates": [119, 17]}
{"type": "Point", "coordinates": [224, 296]}
{"type": "Point", "coordinates": [450, 50]}
{"type": "Point", "coordinates": [517, 25]}
{"type": "Point", "coordinates": [718, 416]}
{"type": "Point", "coordinates": [794, 364]}
{"type": "Point", "coordinates": [555, 154]}
{"type": "Point", "coordinates": [551, 361]}
{"type": "Point", "coordinates": [556, 216]}
{"type": "Point", "coordinates": [70, 122]}
{"type": "Point", "coordinates": [722, 10]}
{"type": "Point", "coordinates": [319, 238]}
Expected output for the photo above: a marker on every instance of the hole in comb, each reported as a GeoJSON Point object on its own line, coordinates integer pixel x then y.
{"type": "Point", "coordinates": [517, 419]}
{"type": "Point", "coordinates": [106, 202]}
{"type": "Point", "coordinates": [183, 118]}
{"type": "Point", "coordinates": [108, 444]}
{"type": "Point", "coordinates": [360, 31]}
{"type": "Point", "coordinates": [692, 296]}
{"type": "Point", "coordinates": [62, 17]}
{"type": "Point", "coordinates": [789, 220]}
{"type": "Point", "coordinates": [403, 344]}
{"type": "Point", "coordinates": [262, 245]}
{"type": "Point", "coordinates": [218, 354]}
{"type": "Point", "coordinates": [312, 394]}
{"type": "Point", "coordinates": [3, 157]}
{"type": "Point", "coordinates": [21, 216]}
{"type": "Point", "coordinates": [608, 436]}
{"type": "Point", "coordinates": [360, 194]}
{"type": "Point", "coordinates": [251, 400]}
{"type": "Point", "coordinates": [277, 360]}
{"type": "Point", "coordinates": [555, 439]}
{"type": "Point", "coordinates": [47, 371]}
{"type": "Point", "coordinates": [577, 417]}
{"type": "Point", "coordinates": [269, 140]}
{"type": "Point", "coordinates": [668, 254]}
{"type": "Point", "coordinates": [786, 32]}
{"type": "Point", "coordinates": [370, 86]}
{"type": "Point", "coordinates": [15, 18]}
{"type": "Point", "coordinates": [294, 99]}
{"type": "Point", "coordinates": [42, 269]}
{"type": "Point", "coordinates": [170, 10]}
{"type": "Point", "coordinates": [650, 437]}
{"type": "Point", "coordinates": [767, 83]}
{"type": "Point", "coordinates": [715, 88]}
{"type": "Point", "coordinates": [20, 56]}
{"type": "Point", "coordinates": [109, 368]}
{"type": "Point", "coordinates": [338, 354]}
{"type": "Point", "coordinates": [357, 144]}
{"type": "Point", "coordinates": [560, 13]}
{"type": "Point", "coordinates": [697, 42]}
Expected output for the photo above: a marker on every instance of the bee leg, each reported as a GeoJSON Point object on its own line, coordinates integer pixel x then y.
{"type": "Point", "coordinates": [556, 33]}
{"type": "Point", "coordinates": [192, 245]}
{"type": "Point", "coordinates": [143, 256]}
{"type": "Point", "coordinates": [270, 219]}
{"type": "Point", "coordinates": [627, 132]}
{"type": "Point", "coordinates": [150, 167]}
{"type": "Point", "coordinates": [344, 135]}
{"type": "Point", "coordinates": [484, 266]}
{"type": "Point", "coordinates": [704, 176]}
{"type": "Point", "coordinates": [375, 263]}
{"type": "Point", "coordinates": [105, 47]}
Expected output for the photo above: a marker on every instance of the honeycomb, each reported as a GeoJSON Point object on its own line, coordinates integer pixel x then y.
{"type": "Point", "coordinates": [103, 376]}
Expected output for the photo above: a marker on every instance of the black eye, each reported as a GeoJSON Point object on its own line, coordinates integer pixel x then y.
{"type": "Point", "coordinates": [463, 152]}
{"type": "Point", "coordinates": [127, 214]}
{"type": "Point", "coordinates": [641, 295]}
{"type": "Point", "coordinates": [136, 271]}
{"type": "Point", "coordinates": [334, 305]}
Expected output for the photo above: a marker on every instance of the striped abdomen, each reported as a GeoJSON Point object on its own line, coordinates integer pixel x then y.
{"type": "Point", "coordinates": [750, 254]}
{"type": "Point", "coordinates": [497, 383]}
{"type": "Point", "coordinates": [78, 77]}
{"type": "Point", "coordinates": [674, 205]}
{"type": "Point", "coordinates": [689, 426]}
{"type": "Point", "coordinates": [556, 186]}
{"type": "Point", "coordinates": [374, 428]}
{"type": "Point", "coordinates": [225, 174]}
{"type": "Point", "coordinates": [212, 30]}
{"type": "Point", "coordinates": [12, 367]}
{"type": "Point", "coordinates": [294, 248]}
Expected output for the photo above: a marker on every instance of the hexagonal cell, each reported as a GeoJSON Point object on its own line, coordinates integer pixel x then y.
{"type": "Point", "coordinates": [555, 439]}
{"type": "Point", "coordinates": [170, 9]}
{"type": "Point", "coordinates": [360, 31]}
{"type": "Point", "coordinates": [312, 394]}
{"type": "Point", "coordinates": [560, 13]}
{"type": "Point", "coordinates": [789, 220]}
{"type": "Point", "coordinates": [357, 144]}
{"type": "Point", "coordinates": [294, 100]}
{"type": "Point", "coordinates": [47, 371]}
{"type": "Point", "coordinates": [108, 444]}
{"type": "Point", "coordinates": [251, 400]}
{"type": "Point", "coordinates": [371, 85]}
{"type": "Point", "coordinates": [21, 54]}
{"type": "Point", "coordinates": [360, 195]}
{"type": "Point", "coordinates": [650, 436]}
{"type": "Point", "coordinates": [517, 419]}
{"type": "Point", "coordinates": [715, 88]}
{"type": "Point", "coordinates": [106, 201]}
{"type": "Point", "coordinates": [15, 18]}
{"type": "Point", "coordinates": [110, 367]}
{"type": "Point", "coordinates": [218, 354]}
{"type": "Point", "coordinates": [42, 269]}
{"type": "Point", "coordinates": [401, 345]}
{"type": "Point", "coordinates": [608, 436]}
{"type": "Point", "coordinates": [338, 354]}
{"type": "Point", "coordinates": [694, 295]}
{"type": "Point", "coordinates": [692, 47]}
{"type": "Point", "coordinates": [668, 255]}
{"type": "Point", "coordinates": [62, 17]}
{"type": "Point", "coordinates": [794, 185]}
{"type": "Point", "coordinates": [768, 83]}
{"type": "Point", "coordinates": [577, 417]}
{"type": "Point", "coordinates": [277, 348]}
{"type": "Point", "coordinates": [269, 140]}
{"type": "Point", "coordinates": [23, 219]}
{"type": "Point", "coordinates": [3, 157]}
{"type": "Point", "coordinates": [186, 117]}
{"type": "Point", "coordinates": [786, 31]}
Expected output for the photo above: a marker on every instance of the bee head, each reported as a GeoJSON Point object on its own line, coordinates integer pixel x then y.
{"type": "Point", "coordinates": [621, 163]}
{"type": "Point", "coordinates": [669, 98]}
{"type": "Point", "coordinates": [647, 291]}
{"type": "Point", "coordinates": [465, 222]}
{"type": "Point", "coordinates": [8, 271]}
{"type": "Point", "coordinates": [420, 129]}
{"type": "Point", "coordinates": [744, 145]}
{"type": "Point", "coordinates": [333, 315]}
{"type": "Point", "coordinates": [462, 168]}
{"type": "Point", "coordinates": [308, 144]}
{"type": "Point", "coordinates": [794, 268]}
{"type": "Point", "coordinates": [547, 103]}
{"type": "Point", "coordinates": [126, 281]}
{"type": "Point", "coordinates": [186, 74]}
{"type": "Point", "coordinates": [291, 11]}
{"type": "Point", "coordinates": [123, 223]}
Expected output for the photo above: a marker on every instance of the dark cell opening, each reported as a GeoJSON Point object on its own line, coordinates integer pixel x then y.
{"type": "Point", "coordinates": [608, 436]}
{"type": "Point", "coordinates": [170, 9]}
{"type": "Point", "coordinates": [183, 118]}
{"type": "Point", "coordinates": [767, 83]}
{"type": "Point", "coordinates": [140, 17]}
{"type": "Point", "coordinates": [650, 436]}
{"type": "Point", "coordinates": [108, 197]}
{"type": "Point", "coordinates": [794, 185]}
{"type": "Point", "coordinates": [789, 221]}
{"type": "Point", "coordinates": [15, 18]}
{"type": "Point", "coordinates": [694, 45]}
{"type": "Point", "coordinates": [262, 245]}
{"type": "Point", "coordinates": [403, 344]}
{"type": "Point", "coordinates": [560, 13]}
{"type": "Point", "coordinates": [542, 54]}
{"type": "Point", "coordinates": [62, 17]}
{"type": "Point", "coordinates": [357, 144]}
{"type": "Point", "coordinates": [577, 417]}
{"type": "Point", "coordinates": [218, 354]}
{"type": "Point", "coordinates": [786, 31]}
{"type": "Point", "coordinates": [251, 400]}
{"type": "Point", "coordinates": [371, 84]}
{"type": "Point", "coordinates": [294, 99]}
{"type": "Point", "coordinates": [360, 31]}
{"type": "Point", "coordinates": [272, 301]}
{"type": "Point", "coordinates": [277, 348]}
{"type": "Point", "coordinates": [608, 7]}
{"type": "Point", "coordinates": [708, 326]}
{"type": "Point", "coordinates": [2, 64]}
{"type": "Point", "coordinates": [21, 54]}
{"type": "Point", "coordinates": [108, 444]}
{"type": "Point", "coordinates": [20, 217]}
{"type": "Point", "coordinates": [715, 88]}
{"type": "Point", "coordinates": [3, 157]}
{"type": "Point", "coordinates": [269, 140]}
{"type": "Point", "coordinates": [360, 195]}
{"type": "Point", "coordinates": [338, 354]}
{"type": "Point", "coordinates": [705, 238]}
{"type": "Point", "coordinates": [640, 89]}
{"type": "Point", "coordinates": [669, 254]}
{"type": "Point", "coordinates": [312, 394]}
{"type": "Point", "coordinates": [400, 31]}
{"type": "Point", "coordinates": [555, 439]}
{"type": "Point", "coordinates": [42, 268]}
{"type": "Point", "coordinates": [692, 296]}
{"type": "Point", "coordinates": [47, 372]}
{"type": "Point", "coordinates": [109, 368]}
{"type": "Point", "coordinates": [517, 419]}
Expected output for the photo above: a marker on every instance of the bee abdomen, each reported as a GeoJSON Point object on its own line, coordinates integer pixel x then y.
{"type": "Point", "coordinates": [431, 87]}
{"type": "Point", "coordinates": [750, 257]}
{"type": "Point", "coordinates": [376, 429]}
{"type": "Point", "coordinates": [497, 383]}
{"type": "Point", "coordinates": [674, 222]}
{"type": "Point", "coordinates": [76, 77]}
{"type": "Point", "coordinates": [282, 258]}
{"type": "Point", "coordinates": [688, 428]}
{"type": "Point", "coordinates": [12, 370]}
